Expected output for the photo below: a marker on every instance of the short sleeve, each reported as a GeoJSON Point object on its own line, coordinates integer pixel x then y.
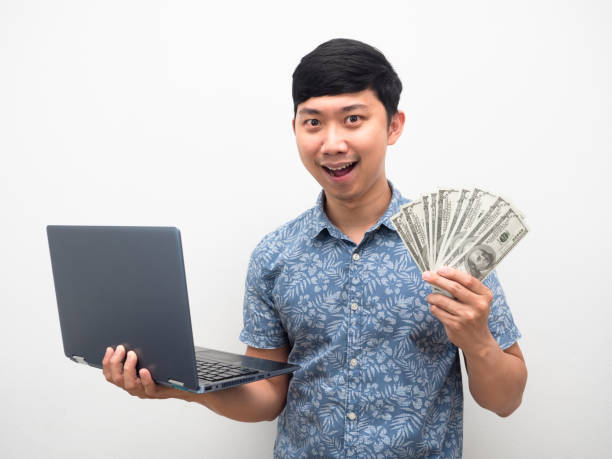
{"type": "Point", "coordinates": [501, 322]}
{"type": "Point", "coordinates": [262, 327]}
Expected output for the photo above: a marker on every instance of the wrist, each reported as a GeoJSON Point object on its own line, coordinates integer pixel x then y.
{"type": "Point", "coordinates": [483, 350]}
{"type": "Point", "coordinates": [184, 395]}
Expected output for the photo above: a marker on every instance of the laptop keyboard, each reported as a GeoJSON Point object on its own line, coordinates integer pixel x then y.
{"type": "Point", "coordinates": [209, 370]}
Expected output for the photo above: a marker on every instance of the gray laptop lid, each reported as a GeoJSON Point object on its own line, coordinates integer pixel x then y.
{"type": "Point", "coordinates": [124, 285]}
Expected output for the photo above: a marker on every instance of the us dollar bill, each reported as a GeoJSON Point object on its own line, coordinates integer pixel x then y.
{"type": "Point", "coordinates": [469, 229]}
{"type": "Point", "coordinates": [404, 232]}
{"type": "Point", "coordinates": [446, 199]}
{"type": "Point", "coordinates": [483, 223]}
{"type": "Point", "coordinates": [415, 218]}
{"type": "Point", "coordinates": [478, 202]}
{"type": "Point", "coordinates": [458, 202]}
{"type": "Point", "coordinates": [433, 210]}
{"type": "Point", "coordinates": [426, 200]}
{"type": "Point", "coordinates": [493, 245]}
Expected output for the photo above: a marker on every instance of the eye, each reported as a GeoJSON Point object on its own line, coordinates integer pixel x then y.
{"type": "Point", "coordinates": [313, 122]}
{"type": "Point", "coordinates": [352, 119]}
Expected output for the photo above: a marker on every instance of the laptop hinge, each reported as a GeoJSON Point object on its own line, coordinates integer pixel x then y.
{"type": "Point", "coordinates": [176, 383]}
{"type": "Point", "coordinates": [79, 359]}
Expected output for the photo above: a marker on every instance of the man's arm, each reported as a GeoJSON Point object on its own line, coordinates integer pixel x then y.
{"type": "Point", "coordinates": [497, 378]}
{"type": "Point", "coordinates": [258, 401]}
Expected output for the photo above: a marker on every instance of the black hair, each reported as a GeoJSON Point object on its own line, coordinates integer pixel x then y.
{"type": "Point", "coordinates": [341, 66]}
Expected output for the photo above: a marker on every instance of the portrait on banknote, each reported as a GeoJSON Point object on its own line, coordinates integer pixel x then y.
{"type": "Point", "coordinates": [479, 260]}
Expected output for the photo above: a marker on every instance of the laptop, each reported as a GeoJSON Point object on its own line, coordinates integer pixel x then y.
{"type": "Point", "coordinates": [126, 285]}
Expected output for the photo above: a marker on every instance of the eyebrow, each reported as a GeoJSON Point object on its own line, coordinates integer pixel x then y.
{"type": "Point", "coordinates": [308, 111]}
{"type": "Point", "coordinates": [348, 108]}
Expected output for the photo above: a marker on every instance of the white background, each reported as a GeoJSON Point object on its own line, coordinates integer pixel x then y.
{"type": "Point", "coordinates": [178, 113]}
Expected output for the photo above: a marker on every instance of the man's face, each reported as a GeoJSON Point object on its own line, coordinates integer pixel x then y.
{"type": "Point", "coordinates": [480, 259]}
{"type": "Point", "coordinates": [342, 141]}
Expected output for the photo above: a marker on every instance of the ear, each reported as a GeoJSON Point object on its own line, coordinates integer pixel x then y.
{"type": "Point", "coordinates": [293, 125]}
{"type": "Point", "coordinates": [396, 127]}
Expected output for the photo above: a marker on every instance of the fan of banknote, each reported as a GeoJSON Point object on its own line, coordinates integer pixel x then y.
{"type": "Point", "coordinates": [468, 229]}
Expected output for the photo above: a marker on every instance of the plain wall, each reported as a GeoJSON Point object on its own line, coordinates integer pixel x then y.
{"type": "Point", "coordinates": [179, 113]}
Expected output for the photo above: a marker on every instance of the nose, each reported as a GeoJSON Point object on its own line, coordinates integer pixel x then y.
{"type": "Point", "coordinates": [333, 141]}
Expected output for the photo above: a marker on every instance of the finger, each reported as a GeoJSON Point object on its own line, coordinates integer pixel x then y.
{"type": "Point", "coordinates": [445, 303]}
{"type": "Point", "coordinates": [466, 280]}
{"type": "Point", "coordinates": [116, 365]}
{"type": "Point", "coordinates": [106, 363]}
{"type": "Point", "coordinates": [454, 288]}
{"type": "Point", "coordinates": [148, 384]}
{"type": "Point", "coordinates": [442, 315]}
{"type": "Point", "coordinates": [130, 380]}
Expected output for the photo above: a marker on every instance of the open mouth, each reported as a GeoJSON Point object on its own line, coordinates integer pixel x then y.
{"type": "Point", "coordinates": [341, 170]}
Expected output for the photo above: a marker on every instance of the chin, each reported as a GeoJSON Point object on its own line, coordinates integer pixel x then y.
{"type": "Point", "coordinates": [346, 194]}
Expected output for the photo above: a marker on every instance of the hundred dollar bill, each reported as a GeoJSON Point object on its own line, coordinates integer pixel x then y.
{"type": "Point", "coordinates": [426, 200]}
{"type": "Point", "coordinates": [445, 200]}
{"type": "Point", "coordinates": [458, 202]}
{"type": "Point", "coordinates": [499, 207]}
{"type": "Point", "coordinates": [415, 218]}
{"type": "Point", "coordinates": [492, 246]}
{"type": "Point", "coordinates": [433, 210]}
{"type": "Point", "coordinates": [402, 229]}
{"type": "Point", "coordinates": [478, 203]}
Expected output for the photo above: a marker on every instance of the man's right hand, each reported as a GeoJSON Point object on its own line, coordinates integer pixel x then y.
{"type": "Point", "coordinates": [120, 370]}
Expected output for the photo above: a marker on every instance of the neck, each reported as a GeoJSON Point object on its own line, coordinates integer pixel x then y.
{"type": "Point", "coordinates": [354, 217]}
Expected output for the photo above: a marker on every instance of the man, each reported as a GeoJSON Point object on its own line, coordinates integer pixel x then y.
{"type": "Point", "coordinates": [336, 292]}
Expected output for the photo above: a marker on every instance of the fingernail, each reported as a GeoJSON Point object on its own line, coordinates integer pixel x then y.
{"type": "Point", "coordinates": [444, 270]}
{"type": "Point", "coordinates": [427, 275]}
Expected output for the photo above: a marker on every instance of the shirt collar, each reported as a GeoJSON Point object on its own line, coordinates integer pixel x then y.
{"type": "Point", "coordinates": [321, 222]}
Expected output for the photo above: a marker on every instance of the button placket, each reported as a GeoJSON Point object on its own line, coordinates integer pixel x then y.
{"type": "Point", "coordinates": [353, 337]}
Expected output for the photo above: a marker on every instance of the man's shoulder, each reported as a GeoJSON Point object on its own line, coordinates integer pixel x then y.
{"type": "Point", "coordinates": [288, 235]}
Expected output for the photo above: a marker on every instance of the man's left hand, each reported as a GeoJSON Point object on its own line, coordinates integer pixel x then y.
{"type": "Point", "coordinates": [465, 317]}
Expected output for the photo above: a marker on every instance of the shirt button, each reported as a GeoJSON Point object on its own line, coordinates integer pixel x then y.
{"type": "Point", "coordinates": [352, 416]}
{"type": "Point", "coordinates": [355, 256]}
{"type": "Point", "coordinates": [354, 306]}
{"type": "Point", "coordinates": [353, 363]}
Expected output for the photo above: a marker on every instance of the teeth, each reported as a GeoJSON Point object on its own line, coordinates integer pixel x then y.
{"type": "Point", "coordinates": [339, 168]}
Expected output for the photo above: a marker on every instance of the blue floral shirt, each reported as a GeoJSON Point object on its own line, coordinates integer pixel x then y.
{"type": "Point", "coordinates": [378, 377]}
